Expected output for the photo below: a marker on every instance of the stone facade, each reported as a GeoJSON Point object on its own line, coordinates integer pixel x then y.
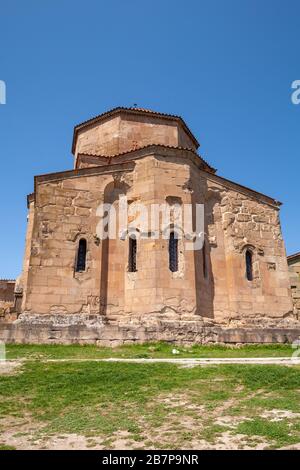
{"type": "Point", "coordinates": [7, 297]}
{"type": "Point", "coordinates": [7, 288]}
{"type": "Point", "coordinates": [152, 159]}
{"type": "Point", "coordinates": [294, 268]}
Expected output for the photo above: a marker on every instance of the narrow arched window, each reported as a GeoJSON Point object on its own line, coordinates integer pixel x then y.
{"type": "Point", "coordinates": [204, 265]}
{"type": "Point", "coordinates": [173, 253]}
{"type": "Point", "coordinates": [132, 254]}
{"type": "Point", "coordinates": [249, 265]}
{"type": "Point", "coordinates": [81, 256]}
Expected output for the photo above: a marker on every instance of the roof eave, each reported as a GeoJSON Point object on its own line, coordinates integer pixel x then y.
{"type": "Point", "coordinates": [294, 256]}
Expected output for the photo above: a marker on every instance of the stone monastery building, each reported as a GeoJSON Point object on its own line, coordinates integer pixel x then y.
{"type": "Point", "coordinates": [77, 287]}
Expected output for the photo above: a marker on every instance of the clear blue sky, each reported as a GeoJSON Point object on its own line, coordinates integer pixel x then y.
{"type": "Point", "coordinates": [225, 66]}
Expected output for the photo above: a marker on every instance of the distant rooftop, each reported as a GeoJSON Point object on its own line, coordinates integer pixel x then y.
{"type": "Point", "coordinates": [294, 256]}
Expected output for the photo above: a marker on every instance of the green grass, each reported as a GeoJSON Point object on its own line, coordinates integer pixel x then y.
{"type": "Point", "coordinates": [5, 447]}
{"type": "Point", "coordinates": [281, 433]}
{"type": "Point", "coordinates": [99, 400]}
{"type": "Point", "coordinates": [148, 350]}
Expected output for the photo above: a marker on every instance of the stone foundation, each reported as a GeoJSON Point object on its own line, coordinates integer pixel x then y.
{"type": "Point", "coordinates": [92, 329]}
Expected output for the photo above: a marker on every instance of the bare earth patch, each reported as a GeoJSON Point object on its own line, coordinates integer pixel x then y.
{"type": "Point", "coordinates": [230, 421]}
{"type": "Point", "coordinates": [29, 435]}
{"type": "Point", "coordinates": [187, 423]}
{"type": "Point", "coordinates": [177, 432]}
{"type": "Point", "coordinates": [279, 415]}
{"type": "Point", "coordinates": [228, 441]}
{"type": "Point", "coordinates": [9, 367]}
{"type": "Point", "coordinates": [292, 447]}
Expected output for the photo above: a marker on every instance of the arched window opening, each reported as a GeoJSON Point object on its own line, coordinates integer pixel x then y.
{"type": "Point", "coordinates": [249, 265]}
{"type": "Point", "coordinates": [204, 265]}
{"type": "Point", "coordinates": [132, 254]}
{"type": "Point", "coordinates": [173, 253]}
{"type": "Point", "coordinates": [81, 256]}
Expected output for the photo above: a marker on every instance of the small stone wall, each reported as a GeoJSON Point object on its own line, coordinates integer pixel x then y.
{"type": "Point", "coordinates": [7, 288]}
{"type": "Point", "coordinates": [102, 334]}
{"type": "Point", "coordinates": [294, 268]}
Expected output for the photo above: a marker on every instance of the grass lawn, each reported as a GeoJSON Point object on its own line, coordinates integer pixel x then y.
{"type": "Point", "coordinates": [148, 350]}
{"type": "Point", "coordinates": [161, 406]}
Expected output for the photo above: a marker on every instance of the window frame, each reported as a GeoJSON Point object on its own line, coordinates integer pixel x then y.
{"type": "Point", "coordinates": [173, 252]}
{"type": "Point", "coordinates": [80, 266]}
{"type": "Point", "coordinates": [132, 254]}
{"type": "Point", "coordinates": [249, 264]}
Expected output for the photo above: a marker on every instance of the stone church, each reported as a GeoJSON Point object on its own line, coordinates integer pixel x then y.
{"type": "Point", "coordinates": [76, 287]}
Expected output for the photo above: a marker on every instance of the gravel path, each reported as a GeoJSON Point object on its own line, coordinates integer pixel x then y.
{"type": "Point", "coordinates": [182, 361]}
{"type": "Point", "coordinates": [177, 360]}
{"type": "Point", "coordinates": [225, 360]}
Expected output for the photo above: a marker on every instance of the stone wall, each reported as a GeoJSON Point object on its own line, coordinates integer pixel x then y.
{"type": "Point", "coordinates": [6, 295]}
{"type": "Point", "coordinates": [91, 330]}
{"type": "Point", "coordinates": [7, 290]}
{"type": "Point", "coordinates": [64, 211]}
{"type": "Point", "coordinates": [236, 219]}
{"type": "Point", "coordinates": [294, 268]}
{"type": "Point", "coordinates": [240, 221]}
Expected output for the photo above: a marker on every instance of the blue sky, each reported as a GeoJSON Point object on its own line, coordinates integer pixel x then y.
{"type": "Point", "coordinates": [225, 66]}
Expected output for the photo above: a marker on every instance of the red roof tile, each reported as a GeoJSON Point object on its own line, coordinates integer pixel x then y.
{"type": "Point", "coordinates": [294, 256]}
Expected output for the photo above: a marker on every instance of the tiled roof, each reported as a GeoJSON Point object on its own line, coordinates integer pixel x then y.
{"type": "Point", "coordinates": [137, 111]}
{"type": "Point", "coordinates": [143, 109]}
{"type": "Point", "coordinates": [109, 157]}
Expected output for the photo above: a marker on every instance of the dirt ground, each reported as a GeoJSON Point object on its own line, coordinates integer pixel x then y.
{"type": "Point", "coordinates": [180, 430]}
{"type": "Point", "coordinates": [29, 434]}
